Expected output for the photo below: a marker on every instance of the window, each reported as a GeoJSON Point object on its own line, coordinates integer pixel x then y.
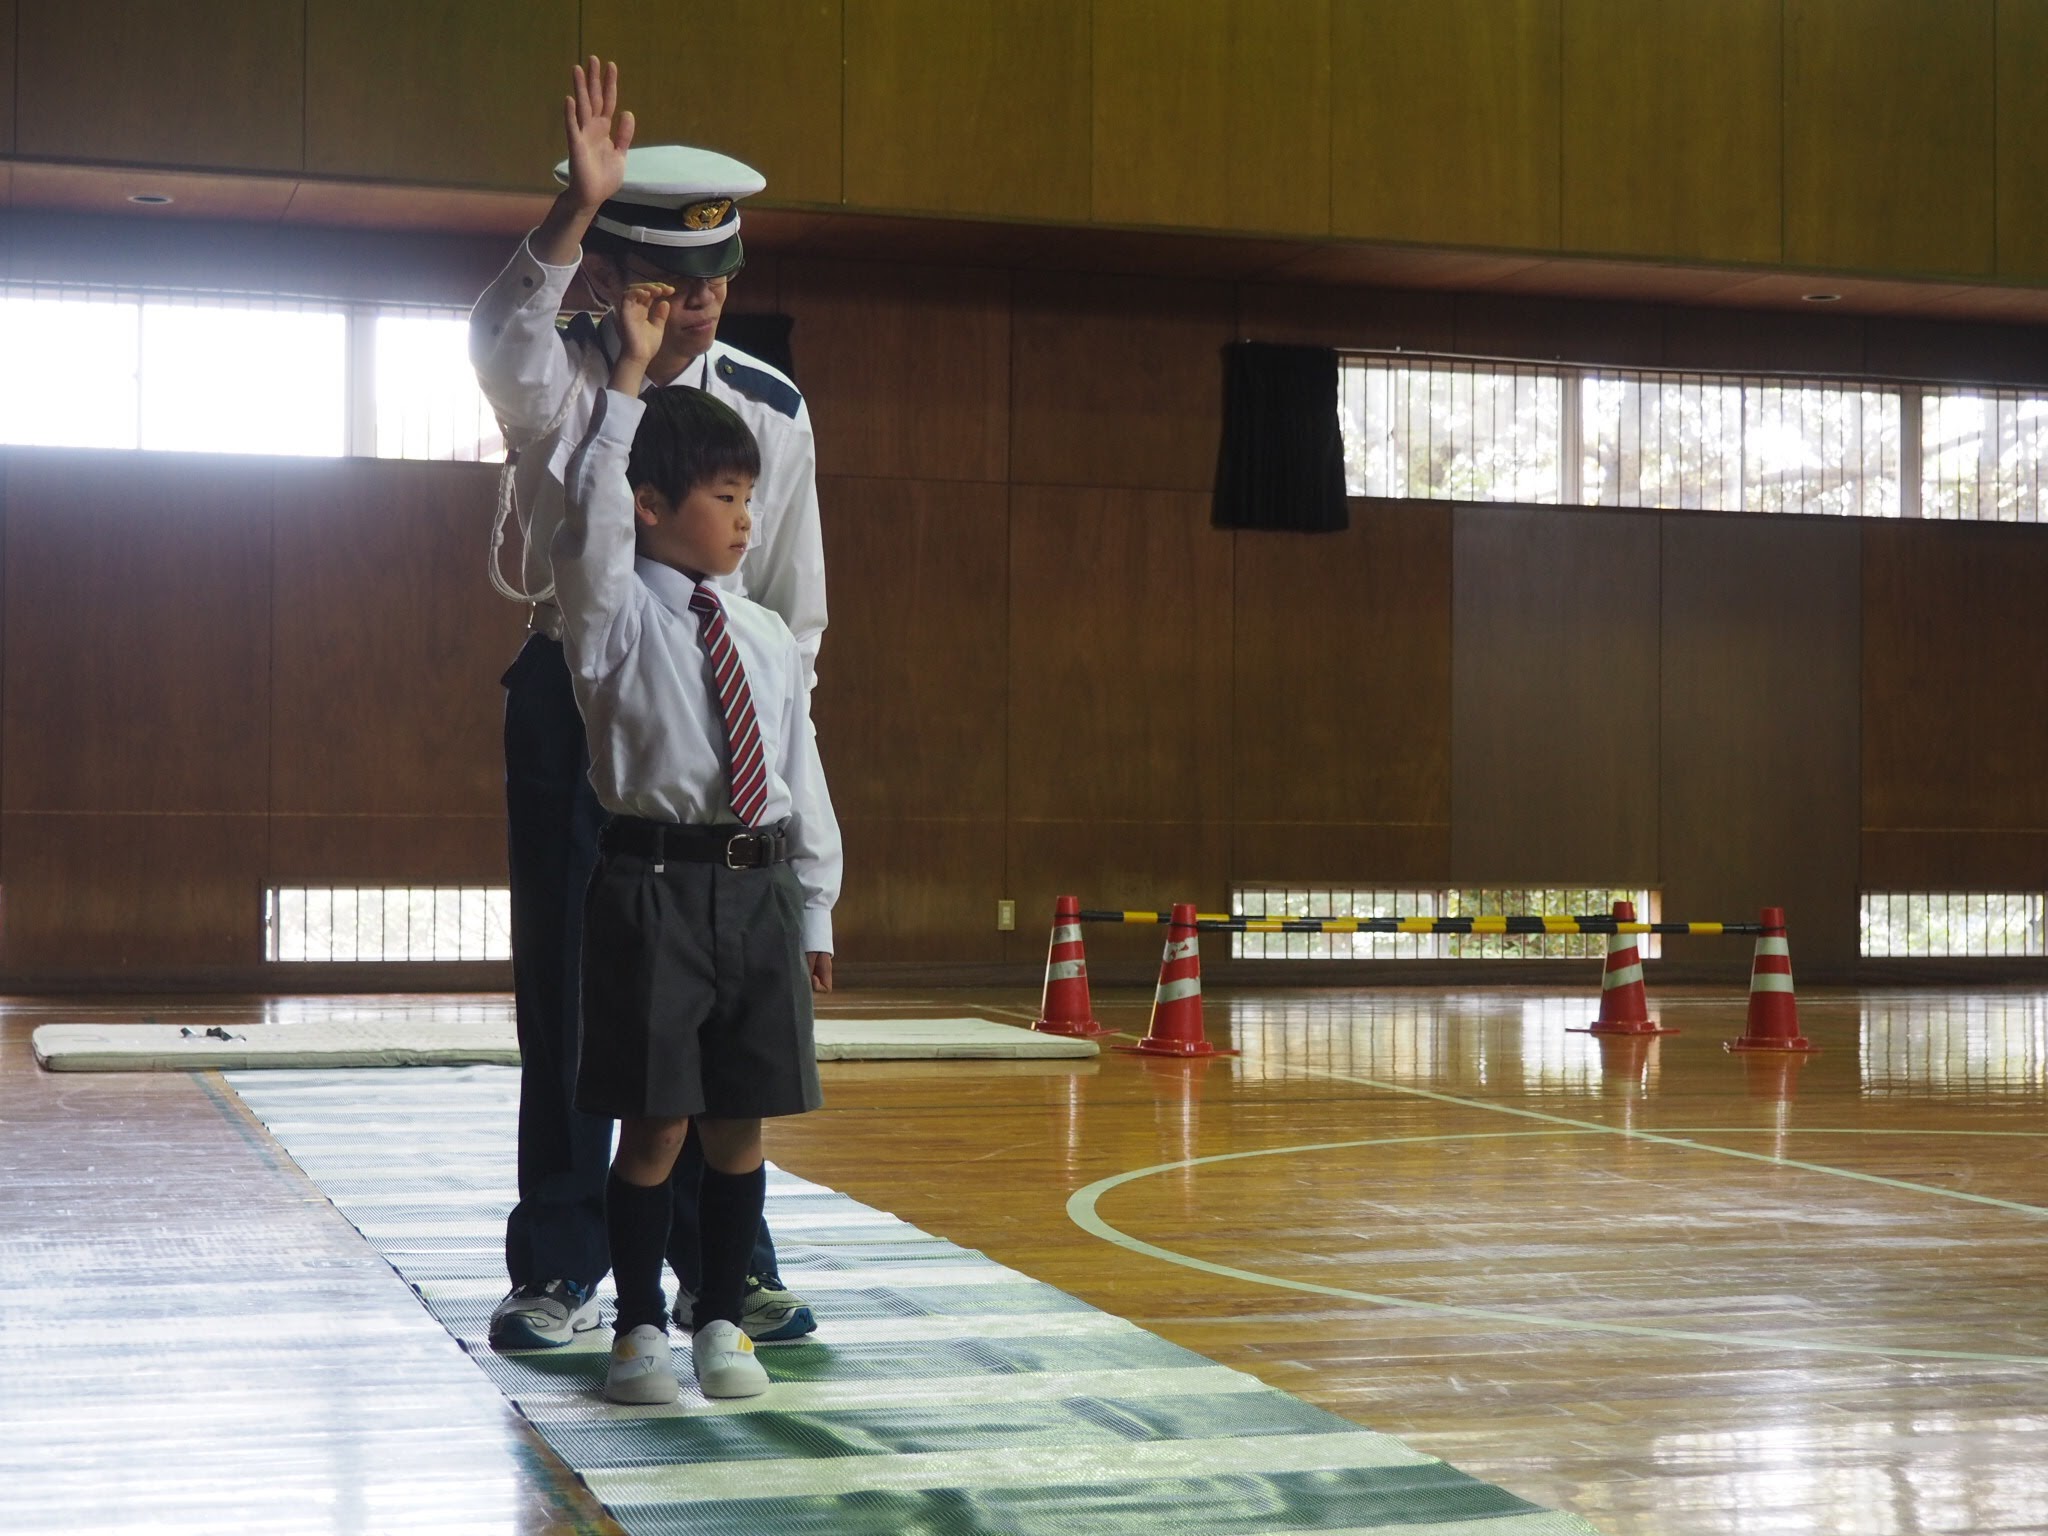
{"type": "Point", "coordinates": [108, 368]}
{"type": "Point", "coordinates": [427, 405]}
{"type": "Point", "coordinates": [1449, 431]}
{"type": "Point", "coordinates": [1345, 901]}
{"type": "Point", "coordinates": [387, 923]}
{"type": "Point", "coordinates": [1738, 445]}
{"type": "Point", "coordinates": [1954, 924]}
{"type": "Point", "coordinates": [1984, 454]}
{"type": "Point", "coordinates": [1538, 434]}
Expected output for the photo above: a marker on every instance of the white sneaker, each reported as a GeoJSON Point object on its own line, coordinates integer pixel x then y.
{"type": "Point", "coordinates": [725, 1361]}
{"type": "Point", "coordinates": [641, 1371]}
{"type": "Point", "coordinates": [543, 1316]}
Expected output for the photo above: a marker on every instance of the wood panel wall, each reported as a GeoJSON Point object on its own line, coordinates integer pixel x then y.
{"type": "Point", "coordinates": [1758, 729]}
{"type": "Point", "coordinates": [1554, 772]}
{"type": "Point", "coordinates": [1046, 672]}
{"type": "Point", "coordinates": [1955, 667]}
{"type": "Point", "coordinates": [1881, 136]}
{"type": "Point", "coordinates": [1889, 135]}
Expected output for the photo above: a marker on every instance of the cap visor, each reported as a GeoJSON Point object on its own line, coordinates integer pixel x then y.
{"type": "Point", "coordinates": [720, 260]}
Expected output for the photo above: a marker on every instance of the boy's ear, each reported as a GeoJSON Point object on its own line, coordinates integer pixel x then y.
{"type": "Point", "coordinates": [650, 506]}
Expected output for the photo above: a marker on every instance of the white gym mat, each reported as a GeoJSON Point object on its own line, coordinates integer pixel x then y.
{"type": "Point", "coordinates": [413, 1042]}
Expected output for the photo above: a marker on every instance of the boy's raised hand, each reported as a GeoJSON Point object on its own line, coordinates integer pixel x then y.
{"type": "Point", "coordinates": [642, 317]}
{"type": "Point", "coordinates": [598, 132]}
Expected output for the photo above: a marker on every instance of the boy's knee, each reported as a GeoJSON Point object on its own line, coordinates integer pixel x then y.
{"type": "Point", "coordinates": [648, 1148]}
{"type": "Point", "coordinates": [730, 1146]}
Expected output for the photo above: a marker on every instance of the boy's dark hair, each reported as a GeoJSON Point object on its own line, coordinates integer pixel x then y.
{"type": "Point", "coordinates": [686, 439]}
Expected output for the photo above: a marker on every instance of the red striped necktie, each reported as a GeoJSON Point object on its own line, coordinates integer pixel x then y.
{"type": "Point", "coordinates": [749, 770]}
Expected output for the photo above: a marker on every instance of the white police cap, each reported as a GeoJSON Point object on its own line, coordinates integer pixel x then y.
{"type": "Point", "coordinates": [679, 206]}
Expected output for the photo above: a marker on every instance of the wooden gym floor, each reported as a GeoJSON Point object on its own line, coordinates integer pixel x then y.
{"type": "Point", "coordinates": [1672, 1291]}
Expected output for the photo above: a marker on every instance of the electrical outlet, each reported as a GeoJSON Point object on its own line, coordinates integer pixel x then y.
{"type": "Point", "coordinates": [1006, 916]}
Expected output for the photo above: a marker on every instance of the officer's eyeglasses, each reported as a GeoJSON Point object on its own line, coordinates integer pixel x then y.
{"type": "Point", "coordinates": [645, 272]}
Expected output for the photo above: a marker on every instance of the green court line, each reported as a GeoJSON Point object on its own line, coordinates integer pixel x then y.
{"type": "Point", "coordinates": [1082, 1210]}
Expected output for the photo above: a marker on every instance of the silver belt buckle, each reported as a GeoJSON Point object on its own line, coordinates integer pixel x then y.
{"type": "Point", "coordinates": [733, 842]}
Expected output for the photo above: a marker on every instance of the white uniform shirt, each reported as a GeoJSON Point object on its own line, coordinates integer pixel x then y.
{"type": "Point", "coordinates": [526, 364]}
{"type": "Point", "coordinates": [642, 675]}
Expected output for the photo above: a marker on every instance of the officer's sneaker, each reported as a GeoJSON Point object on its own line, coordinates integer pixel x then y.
{"type": "Point", "coordinates": [641, 1371]}
{"type": "Point", "coordinates": [773, 1315]}
{"type": "Point", "coordinates": [543, 1316]}
{"type": "Point", "coordinates": [726, 1367]}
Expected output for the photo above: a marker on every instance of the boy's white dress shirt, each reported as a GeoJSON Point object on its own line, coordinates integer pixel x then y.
{"type": "Point", "coordinates": [525, 364]}
{"type": "Point", "coordinates": [637, 658]}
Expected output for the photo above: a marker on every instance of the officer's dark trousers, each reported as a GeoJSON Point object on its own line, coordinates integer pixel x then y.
{"type": "Point", "coordinates": [556, 1231]}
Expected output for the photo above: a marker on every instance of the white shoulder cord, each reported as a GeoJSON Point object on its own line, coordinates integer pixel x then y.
{"type": "Point", "coordinates": [507, 497]}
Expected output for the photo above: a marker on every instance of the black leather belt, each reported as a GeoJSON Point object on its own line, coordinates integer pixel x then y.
{"type": "Point", "coordinates": [734, 847]}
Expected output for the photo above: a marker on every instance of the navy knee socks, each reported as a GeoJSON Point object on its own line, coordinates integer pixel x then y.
{"type": "Point", "coordinates": [636, 1224]}
{"type": "Point", "coordinates": [729, 1216]}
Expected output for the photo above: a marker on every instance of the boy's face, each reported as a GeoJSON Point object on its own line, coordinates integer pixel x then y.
{"type": "Point", "coordinates": [704, 534]}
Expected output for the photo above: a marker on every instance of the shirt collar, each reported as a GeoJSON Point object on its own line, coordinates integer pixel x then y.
{"type": "Point", "coordinates": [671, 588]}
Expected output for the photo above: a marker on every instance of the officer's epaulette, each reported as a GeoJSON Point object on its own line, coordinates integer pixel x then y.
{"type": "Point", "coordinates": [578, 327]}
{"type": "Point", "coordinates": [759, 384]}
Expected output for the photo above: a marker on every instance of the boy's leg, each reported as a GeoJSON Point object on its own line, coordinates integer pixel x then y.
{"type": "Point", "coordinates": [637, 1217]}
{"type": "Point", "coordinates": [729, 1217]}
{"type": "Point", "coordinates": [636, 1222]}
{"type": "Point", "coordinates": [772, 1313]}
{"type": "Point", "coordinates": [554, 1236]}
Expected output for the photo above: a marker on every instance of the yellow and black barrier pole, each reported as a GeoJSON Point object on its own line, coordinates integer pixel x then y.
{"type": "Point", "coordinates": [1224, 922]}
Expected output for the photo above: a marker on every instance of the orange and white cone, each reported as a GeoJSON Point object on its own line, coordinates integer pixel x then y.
{"type": "Point", "coordinates": [1176, 1027]}
{"type": "Point", "coordinates": [1773, 1023]}
{"type": "Point", "coordinates": [1624, 1001]}
{"type": "Point", "coordinates": [1064, 1009]}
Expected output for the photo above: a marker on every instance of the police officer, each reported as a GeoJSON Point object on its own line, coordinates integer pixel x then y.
{"type": "Point", "coordinates": [668, 214]}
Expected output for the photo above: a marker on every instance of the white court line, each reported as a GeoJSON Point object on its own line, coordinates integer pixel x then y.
{"type": "Point", "coordinates": [1081, 1209]}
{"type": "Point", "coordinates": [1685, 1143]}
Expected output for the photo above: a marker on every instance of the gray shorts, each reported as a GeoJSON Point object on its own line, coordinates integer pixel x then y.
{"type": "Point", "coordinates": [696, 992]}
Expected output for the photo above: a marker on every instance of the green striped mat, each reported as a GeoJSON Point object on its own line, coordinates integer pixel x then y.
{"type": "Point", "coordinates": [942, 1393]}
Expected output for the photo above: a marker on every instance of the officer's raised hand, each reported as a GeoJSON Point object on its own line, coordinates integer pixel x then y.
{"type": "Point", "coordinates": [598, 135]}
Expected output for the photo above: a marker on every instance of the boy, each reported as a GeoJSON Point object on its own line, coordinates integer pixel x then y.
{"type": "Point", "coordinates": [709, 917]}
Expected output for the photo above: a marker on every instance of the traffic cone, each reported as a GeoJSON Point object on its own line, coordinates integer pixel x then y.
{"type": "Point", "coordinates": [1176, 1028]}
{"type": "Point", "coordinates": [1064, 1008]}
{"type": "Point", "coordinates": [1773, 1010]}
{"type": "Point", "coordinates": [1624, 1002]}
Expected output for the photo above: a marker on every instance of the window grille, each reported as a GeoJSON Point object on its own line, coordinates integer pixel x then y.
{"type": "Point", "coordinates": [1346, 901]}
{"type": "Point", "coordinates": [1540, 434]}
{"type": "Point", "coordinates": [1954, 924]}
{"type": "Point", "coordinates": [1983, 454]}
{"type": "Point", "coordinates": [167, 370]}
{"type": "Point", "coordinates": [107, 368]}
{"type": "Point", "coordinates": [426, 402]}
{"type": "Point", "coordinates": [1738, 445]}
{"type": "Point", "coordinates": [388, 923]}
{"type": "Point", "coordinates": [1452, 431]}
